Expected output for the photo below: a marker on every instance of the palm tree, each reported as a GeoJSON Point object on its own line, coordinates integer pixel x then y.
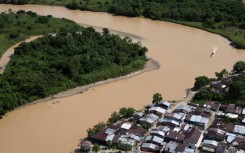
{"type": "Point", "coordinates": [157, 97]}
{"type": "Point", "coordinates": [96, 148]}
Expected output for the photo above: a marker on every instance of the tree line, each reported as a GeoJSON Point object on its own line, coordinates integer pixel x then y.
{"type": "Point", "coordinates": [52, 64]}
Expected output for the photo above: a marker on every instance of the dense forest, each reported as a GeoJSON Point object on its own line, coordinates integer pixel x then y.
{"type": "Point", "coordinates": [52, 64]}
{"type": "Point", "coordinates": [15, 27]}
{"type": "Point", "coordinates": [235, 94]}
{"type": "Point", "coordinates": [225, 17]}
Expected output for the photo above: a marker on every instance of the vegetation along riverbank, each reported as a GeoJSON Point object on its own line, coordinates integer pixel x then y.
{"type": "Point", "coordinates": [16, 27]}
{"type": "Point", "coordinates": [52, 64]}
{"type": "Point", "coordinates": [223, 17]}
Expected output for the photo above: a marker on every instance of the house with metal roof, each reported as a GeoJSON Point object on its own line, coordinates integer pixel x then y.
{"type": "Point", "coordinates": [149, 147]}
{"type": "Point", "coordinates": [193, 138]}
{"type": "Point", "coordinates": [164, 104]}
{"type": "Point", "coordinates": [179, 117]}
{"type": "Point", "coordinates": [182, 109]}
{"type": "Point", "coordinates": [154, 139]}
{"type": "Point", "coordinates": [170, 122]}
{"type": "Point", "coordinates": [157, 110]}
{"type": "Point", "coordinates": [197, 120]}
{"type": "Point", "coordinates": [239, 129]}
{"type": "Point", "coordinates": [209, 146]}
{"type": "Point", "coordinates": [157, 132]}
{"type": "Point", "coordinates": [138, 115]}
{"type": "Point", "coordinates": [150, 119]}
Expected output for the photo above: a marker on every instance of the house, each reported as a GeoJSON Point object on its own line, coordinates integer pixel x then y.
{"type": "Point", "coordinates": [216, 134]}
{"type": "Point", "coordinates": [164, 104]}
{"type": "Point", "coordinates": [174, 136]}
{"type": "Point", "coordinates": [170, 122]}
{"type": "Point", "coordinates": [149, 147]}
{"type": "Point", "coordinates": [157, 110]}
{"type": "Point", "coordinates": [221, 148]}
{"type": "Point", "coordinates": [197, 120]}
{"type": "Point", "coordinates": [202, 112]}
{"type": "Point", "coordinates": [212, 105]}
{"type": "Point", "coordinates": [209, 145]}
{"type": "Point", "coordinates": [193, 138]}
{"type": "Point", "coordinates": [182, 109]}
{"type": "Point", "coordinates": [171, 147]}
{"type": "Point", "coordinates": [149, 119]}
{"type": "Point", "coordinates": [227, 81]}
{"type": "Point", "coordinates": [179, 117]}
{"type": "Point", "coordinates": [217, 86]}
{"type": "Point", "coordinates": [157, 132]}
{"type": "Point", "coordinates": [231, 108]}
{"type": "Point", "coordinates": [154, 139]}
{"type": "Point", "coordinates": [239, 129]}
{"type": "Point", "coordinates": [138, 115]}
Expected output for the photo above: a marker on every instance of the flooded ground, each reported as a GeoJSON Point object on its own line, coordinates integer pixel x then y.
{"type": "Point", "coordinates": [183, 53]}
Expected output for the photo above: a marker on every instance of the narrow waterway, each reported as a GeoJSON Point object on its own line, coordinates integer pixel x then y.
{"type": "Point", "coordinates": [183, 53]}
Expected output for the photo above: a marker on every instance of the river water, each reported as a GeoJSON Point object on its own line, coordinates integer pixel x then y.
{"type": "Point", "coordinates": [183, 53]}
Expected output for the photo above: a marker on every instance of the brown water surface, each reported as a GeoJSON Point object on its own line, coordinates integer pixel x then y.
{"type": "Point", "coordinates": [183, 53]}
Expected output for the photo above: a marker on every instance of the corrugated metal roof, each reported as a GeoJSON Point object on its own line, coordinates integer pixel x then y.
{"type": "Point", "coordinates": [186, 108]}
{"type": "Point", "coordinates": [158, 109]}
{"type": "Point", "coordinates": [210, 142]}
{"type": "Point", "coordinates": [239, 129]}
{"type": "Point", "coordinates": [126, 125]}
{"type": "Point", "coordinates": [149, 145]}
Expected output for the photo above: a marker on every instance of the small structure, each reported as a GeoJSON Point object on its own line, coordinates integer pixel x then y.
{"type": "Point", "coordinates": [170, 122]}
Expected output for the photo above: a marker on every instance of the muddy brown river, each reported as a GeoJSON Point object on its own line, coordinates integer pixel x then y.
{"type": "Point", "coordinates": [183, 53]}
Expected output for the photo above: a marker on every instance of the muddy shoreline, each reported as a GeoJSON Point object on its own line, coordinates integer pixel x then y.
{"type": "Point", "coordinates": [151, 65]}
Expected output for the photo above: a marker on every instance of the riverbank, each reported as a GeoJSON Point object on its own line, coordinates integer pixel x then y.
{"type": "Point", "coordinates": [151, 65]}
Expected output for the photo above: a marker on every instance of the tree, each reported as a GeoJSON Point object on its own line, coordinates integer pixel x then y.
{"type": "Point", "coordinates": [239, 67]}
{"type": "Point", "coordinates": [96, 148]}
{"type": "Point", "coordinates": [114, 118]}
{"type": "Point", "coordinates": [222, 74]}
{"type": "Point", "coordinates": [157, 97]}
{"type": "Point", "coordinates": [200, 82]}
{"type": "Point", "coordinates": [126, 112]}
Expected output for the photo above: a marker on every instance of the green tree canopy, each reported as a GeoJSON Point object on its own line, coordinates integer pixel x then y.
{"type": "Point", "coordinates": [239, 67]}
{"type": "Point", "coordinates": [200, 82]}
{"type": "Point", "coordinates": [157, 97]}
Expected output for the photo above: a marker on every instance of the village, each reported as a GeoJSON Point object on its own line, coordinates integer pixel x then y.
{"type": "Point", "coordinates": [182, 127]}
